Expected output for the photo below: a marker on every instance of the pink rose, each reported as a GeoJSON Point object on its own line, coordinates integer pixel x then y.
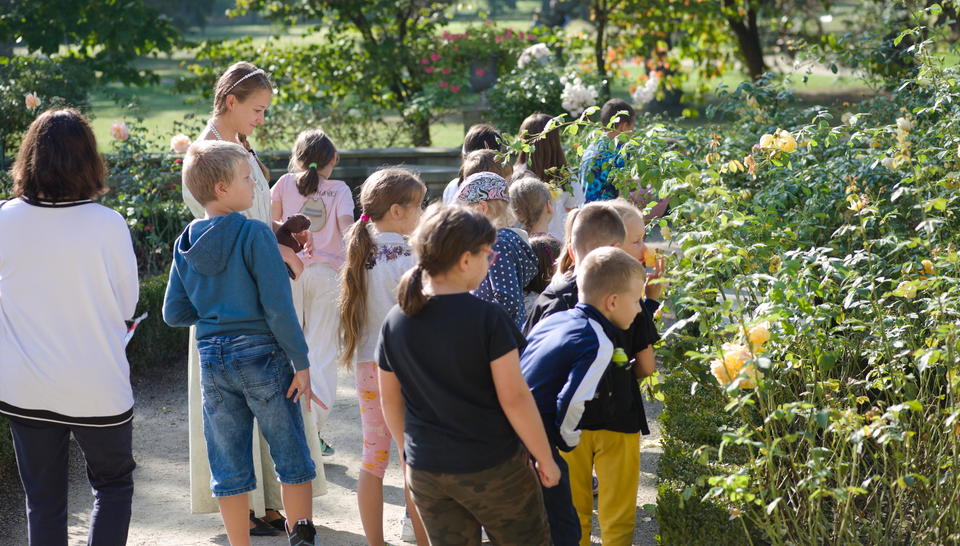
{"type": "Point", "coordinates": [479, 72]}
{"type": "Point", "coordinates": [119, 130]}
{"type": "Point", "coordinates": [429, 69]}
{"type": "Point", "coordinates": [455, 88]}
{"type": "Point", "coordinates": [179, 144]}
{"type": "Point", "coordinates": [425, 61]}
{"type": "Point", "coordinates": [445, 70]}
{"type": "Point", "coordinates": [32, 101]}
{"type": "Point", "coordinates": [434, 57]}
{"type": "Point", "coordinates": [498, 39]}
{"type": "Point", "coordinates": [444, 84]}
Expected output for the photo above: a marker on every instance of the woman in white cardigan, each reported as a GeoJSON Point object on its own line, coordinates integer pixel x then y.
{"type": "Point", "coordinates": [63, 369]}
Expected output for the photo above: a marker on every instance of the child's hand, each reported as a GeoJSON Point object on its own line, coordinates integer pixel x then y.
{"type": "Point", "coordinates": [300, 386]}
{"type": "Point", "coordinates": [292, 260]}
{"type": "Point", "coordinates": [548, 471]}
{"type": "Point", "coordinates": [655, 290]}
{"type": "Point", "coordinates": [302, 237]}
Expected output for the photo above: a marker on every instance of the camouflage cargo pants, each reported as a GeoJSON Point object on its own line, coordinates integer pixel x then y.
{"type": "Point", "coordinates": [506, 500]}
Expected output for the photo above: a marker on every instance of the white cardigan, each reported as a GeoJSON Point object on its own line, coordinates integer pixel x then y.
{"type": "Point", "coordinates": [68, 281]}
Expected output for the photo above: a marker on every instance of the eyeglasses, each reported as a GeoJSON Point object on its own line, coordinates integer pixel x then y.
{"type": "Point", "coordinates": [491, 256]}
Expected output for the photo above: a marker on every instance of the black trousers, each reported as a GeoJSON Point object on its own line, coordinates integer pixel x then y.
{"type": "Point", "coordinates": [561, 514]}
{"type": "Point", "coordinates": [42, 450]}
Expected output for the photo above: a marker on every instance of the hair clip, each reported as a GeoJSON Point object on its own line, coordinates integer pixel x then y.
{"type": "Point", "coordinates": [364, 218]}
{"type": "Point", "coordinates": [236, 83]}
{"type": "Point", "coordinates": [312, 166]}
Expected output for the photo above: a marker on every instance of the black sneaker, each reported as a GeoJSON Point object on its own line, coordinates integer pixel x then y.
{"type": "Point", "coordinates": [304, 534]}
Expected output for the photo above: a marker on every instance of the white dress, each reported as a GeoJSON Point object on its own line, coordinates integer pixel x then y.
{"type": "Point", "coordinates": [267, 493]}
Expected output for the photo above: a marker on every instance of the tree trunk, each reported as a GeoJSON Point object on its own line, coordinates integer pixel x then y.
{"type": "Point", "coordinates": [600, 12]}
{"type": "Point", "coordinates": [420, 131]}
{"type": "Point", "coordinates": [748, 36]}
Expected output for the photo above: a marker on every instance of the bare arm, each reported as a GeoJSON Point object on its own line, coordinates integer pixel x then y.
{"type": "Point", "coordinates": [344, 222]}
{"type": "Point", "coordinates": [518, 405]}
{"type": "Point", "coordinates": [391, 401]}
{"type": "Point", "coordinates": [276, 210]}
{"type": "Point", "coordinates": [645, 364]}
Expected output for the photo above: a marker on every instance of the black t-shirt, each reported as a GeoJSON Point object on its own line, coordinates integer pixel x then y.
{"type": "Point", "coordinates": [618, 405]}
{"type": "Point", "coordinates": [441, 357]}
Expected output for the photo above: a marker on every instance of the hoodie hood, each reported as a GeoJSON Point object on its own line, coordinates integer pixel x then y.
{"type": "Point", "coordinates": [207, 244]}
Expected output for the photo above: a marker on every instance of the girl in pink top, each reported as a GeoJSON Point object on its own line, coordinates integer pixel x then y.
{"type": "Point", "coordinates": [328, 204]}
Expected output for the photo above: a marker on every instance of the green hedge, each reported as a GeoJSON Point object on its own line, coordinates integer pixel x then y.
{"type": "Point", "coordinates": [154, 344]}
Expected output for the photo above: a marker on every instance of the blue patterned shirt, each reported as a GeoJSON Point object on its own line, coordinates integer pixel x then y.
{"type": "Point", "coordinates": [600, 158]}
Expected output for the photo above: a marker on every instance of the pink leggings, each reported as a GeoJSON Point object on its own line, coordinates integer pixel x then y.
{"type": "Point", "coordinates": [376, 436]}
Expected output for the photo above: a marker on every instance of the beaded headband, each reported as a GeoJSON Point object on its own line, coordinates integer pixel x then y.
{"type": "Point", "coordinates": [236, 83]}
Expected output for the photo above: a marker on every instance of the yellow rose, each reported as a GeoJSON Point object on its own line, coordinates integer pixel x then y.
{"type": "Point", "coordinates": [720, 372]}
{"type": "Point", "coordinates": [667, 233]}
{"type": "Point", "coordinates": [927, 266]}
{"type": "Point", "coordinates": [785, 141]}
{"type": "Point", "coordinates": [766, 141]}
{"type": "Point", "coordinates": [906, 290]}
{"type": "Point", "coordinates": [649, 257]}
{"type": "Point", "coordinates": [759, 334]}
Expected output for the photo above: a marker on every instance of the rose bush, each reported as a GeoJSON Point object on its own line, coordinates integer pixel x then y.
{"type": "Point", "coordinates": [817, 297]}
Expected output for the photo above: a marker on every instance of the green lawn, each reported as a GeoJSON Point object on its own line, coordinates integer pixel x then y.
{"type": "Point", "coordinates": [160, 108]}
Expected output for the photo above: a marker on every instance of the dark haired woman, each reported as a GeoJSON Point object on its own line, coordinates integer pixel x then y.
{"type": "Point", "coordinates": [241, 98]}
{"type": "Point", "coordinates": [63, 369]}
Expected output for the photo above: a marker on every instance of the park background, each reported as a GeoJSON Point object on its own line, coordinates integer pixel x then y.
{"type": "Point", "coordinates": [808, 371]}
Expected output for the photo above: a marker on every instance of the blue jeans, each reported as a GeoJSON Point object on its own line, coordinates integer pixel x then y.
{"type": "Point", "coordinates": [245, 377]}
{"type": "Point", "coordinates": [561, 514]}
{"type": "Point", "coordinates": [43, 450]}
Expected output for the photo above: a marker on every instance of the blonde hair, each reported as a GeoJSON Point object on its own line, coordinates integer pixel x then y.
{"type": "Point", "coordinates": [380, 191]}
{"type": "Point", "coordinates": [626, 210]}
{"type": "Point", "coordinates": [528, 199]}
{"type": "Point", "coordinates": [607, 270]}
{"type": "Point", "coordinates": [208, 162]}
{"type": "Point", "coordinates": [565, 260]}
{"type": "Point", "coordinates": [597, 225]}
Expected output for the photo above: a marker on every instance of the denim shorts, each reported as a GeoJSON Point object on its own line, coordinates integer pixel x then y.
{"type": "Point", "coordinates": [245, 377]}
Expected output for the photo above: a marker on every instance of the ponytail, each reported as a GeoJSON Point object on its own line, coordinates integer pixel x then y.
{"type": "Point", "coordinates": [410, 294]}
{"type": "Point", "coordinates": [308, 181]}
{"type": "Point", "coordinates": [565, 260]}
{"type": "Point", "coordinates": [352, 303]}
{"type": "Point", "coordinates": [379, 192]}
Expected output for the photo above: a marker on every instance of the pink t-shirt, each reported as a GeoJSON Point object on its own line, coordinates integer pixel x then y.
{"type": "Point", "coordinates": [334, 197]}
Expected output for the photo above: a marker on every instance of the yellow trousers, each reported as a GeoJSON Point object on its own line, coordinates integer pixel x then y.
{"type": "Point", "coordinates": [615, 457]}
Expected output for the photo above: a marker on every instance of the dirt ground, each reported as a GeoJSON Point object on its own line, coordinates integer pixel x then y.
{"type": "Point", "coordinates": [161, 505]}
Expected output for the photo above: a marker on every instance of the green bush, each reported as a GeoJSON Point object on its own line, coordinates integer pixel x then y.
{"type": "Point", "coordinates": [155, 344]}
{"type": "Point", "coordinates": [685, 519]}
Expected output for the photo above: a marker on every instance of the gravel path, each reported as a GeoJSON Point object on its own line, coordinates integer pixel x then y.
{"type": "Point", "coordinates": [161, 506]}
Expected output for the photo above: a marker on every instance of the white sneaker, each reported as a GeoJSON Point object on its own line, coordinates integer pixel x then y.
{"type": "Point", "coordinates": [483, 535]}
{"type": "Point", "coordinates": [406, 530]}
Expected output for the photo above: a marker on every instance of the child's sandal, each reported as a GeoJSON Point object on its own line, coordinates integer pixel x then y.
{"type": "Point", "coordinates": [261, 528]}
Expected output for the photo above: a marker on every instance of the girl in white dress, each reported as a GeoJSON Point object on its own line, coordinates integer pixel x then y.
{"type": "Point", "coordinates": [242, 96]}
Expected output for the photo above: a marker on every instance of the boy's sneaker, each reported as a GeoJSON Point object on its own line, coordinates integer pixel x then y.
{"type": "Point", "coordinates": [483, 535]}
{"type": "Point", "coordinates": [406, 530]}
{"type": "Point", "coordinates": [304, 534]}
{"type": "Point", "coordinates": [326, 449]}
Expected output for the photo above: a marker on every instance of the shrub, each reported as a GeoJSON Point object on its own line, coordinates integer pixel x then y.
{"type": "Point", "coordinates": [155, 344]}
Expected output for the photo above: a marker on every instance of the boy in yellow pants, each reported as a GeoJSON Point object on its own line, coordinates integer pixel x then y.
{"type": "Point", "coordinates": [613, 421]}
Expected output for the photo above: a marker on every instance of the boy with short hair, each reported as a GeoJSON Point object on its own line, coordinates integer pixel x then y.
{"type": "Point", "coordinates": [612, 422]}
{"type": "Point", "coordinates": [228, 278]}
{"type": "Point", "coordinates": [567, 355]}
{"type": "Point", "coordinates": [603, 155]}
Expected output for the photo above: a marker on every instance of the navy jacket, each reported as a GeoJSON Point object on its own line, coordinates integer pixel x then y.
{"type": "Point", "coordinates": [567, 354]}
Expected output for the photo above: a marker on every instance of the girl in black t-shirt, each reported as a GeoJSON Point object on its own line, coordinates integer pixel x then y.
{"type": "Point", "coordinates": [453, 395]}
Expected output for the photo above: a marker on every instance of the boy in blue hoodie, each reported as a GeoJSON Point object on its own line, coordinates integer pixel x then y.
{"type": "Point", "coordinates": [229, 280]}
{"type": "Point", "coordinates": [566, 356]}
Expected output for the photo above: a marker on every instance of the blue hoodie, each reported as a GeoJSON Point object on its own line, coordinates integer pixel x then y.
{"type": "Point", "coordinates": [228, 278]}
